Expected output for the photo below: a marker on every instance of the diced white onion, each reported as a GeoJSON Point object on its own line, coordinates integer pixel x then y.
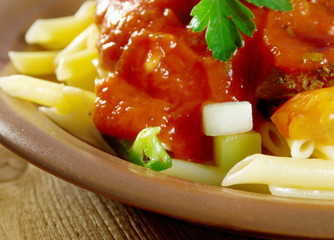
{"type": "Point", "coordinates": [227, 118]}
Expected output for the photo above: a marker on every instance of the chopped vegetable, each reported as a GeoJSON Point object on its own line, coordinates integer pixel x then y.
{"type": "Point", "coordinates": [227, 118]}
{"type": "Point", "coordinates": [231, 149]}
{"type": "Point", "coordinates": [145, 151]}
{"type": "Point", "coordinates": [308, 115]}
{"type": "Point", "coordinates": [224, 21]}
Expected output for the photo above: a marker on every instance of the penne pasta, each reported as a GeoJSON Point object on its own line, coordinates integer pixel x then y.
{"type": "Point", "coordinates": [301, 148]}
{"type": "Point", "coordinates": [33, 63]}
{"type": "Point", "coordinates": [273, 141]}
{"type": "Point", "coordinates": [44, 93]}
{"type": "Point", "coordinates": [74, 115]}
{"type": "Point", "coordinates": [78, 69]}
{"type": "Point", "coordinates": [282, 171]}
{"type": "Point", "coordinates": [57, 33]}
{"type": "Point", "coordinates": [76, 64]}
{"type": "Point", "coordinates": [69, 107]}
{"type": "Point", "coordinates": [301, 193]}
{"type": "Point", "coordinates": [86, 39]}
{"type": "Point", "coordinates": [32, 89]}
{"type": "Point", "coordinates": [86, 9]}
{"type": "Point", "coordinates": [196, 172]}
{"type": "Point", "coordinates": [324, 151]}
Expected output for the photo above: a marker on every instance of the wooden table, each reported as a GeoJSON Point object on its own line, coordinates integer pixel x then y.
{"type": "Point", "coordinates": [37, 205]}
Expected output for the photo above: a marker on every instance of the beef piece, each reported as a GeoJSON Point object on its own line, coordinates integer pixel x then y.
{"type": "Point", "coordinates": [279, 85]}
{"type": "Point", "coordinates": [297, 50]}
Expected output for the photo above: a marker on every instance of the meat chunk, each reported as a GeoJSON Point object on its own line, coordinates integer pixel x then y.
{"type": "Point", "coordinates": [279, 85]}
{"type": "Point", "coordinates": [297, 51]}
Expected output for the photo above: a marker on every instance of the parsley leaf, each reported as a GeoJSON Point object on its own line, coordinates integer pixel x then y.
{"type": "Point", "coordinates": [282, 5]}
{"type": "Point", "coordinates": [225, 20]}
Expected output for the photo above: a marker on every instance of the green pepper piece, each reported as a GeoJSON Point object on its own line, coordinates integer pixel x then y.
{"type": "Point", "coordinates": [148, 152]}
{"type": "Point", "coordinates": [145, 151]}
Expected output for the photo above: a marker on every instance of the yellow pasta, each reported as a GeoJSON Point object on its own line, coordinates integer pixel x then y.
{"type": "Point", "coordinates": [75, 116]}
{"type": "Point", "coordinates": [301, 193]}
{"type": "Point", "coordinates": [324, 151]}
{"type": "Point", "coordinates": [44, 92]}
{"type": "Point", "coordinates": [196, 172]}
{"type": "Point", "coordinates": [282, 171]}
{"type": "Point", "coordinates": [273, 141]}
{"type": "Point", "coordinates": [57, 33]}
{"type": "Point", "coordinates": [301, 148]}
{"type": "Point", "coordinates": [33, 63]}
{"type": "Point", "coordinates": [71, 108]}
{"type": "Point", "coordinates": [86, 39]}
{"type": "Point", "coordinates": [78, 66]}
{"type": "Point", "coordinates": [32, 89]}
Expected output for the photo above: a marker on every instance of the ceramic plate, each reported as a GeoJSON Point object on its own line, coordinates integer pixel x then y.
{"type": "Point", "coordinates": [30, 134]}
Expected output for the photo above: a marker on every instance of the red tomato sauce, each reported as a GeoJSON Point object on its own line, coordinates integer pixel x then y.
{"type": "Point", "coordinates": [161, 72]}
{"type": "Point", "coordinates": [292, 36]}
{"type": "Point", "coordinates": [298, 45]}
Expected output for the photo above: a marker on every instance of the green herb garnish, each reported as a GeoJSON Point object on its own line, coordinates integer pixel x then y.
{"type": "Point", "coordinates": [224, 20]}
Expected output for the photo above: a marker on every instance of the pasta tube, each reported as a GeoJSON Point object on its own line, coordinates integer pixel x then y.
{"type": "Point", "coordinates": [273, 141]}
{"type": "Point", "coordinates": [282, 171]}
{"type": "Point", "coordinates": [301, 148]}
{"type": "Point", "coordinates": [74, 114]}
{"type": "Point", "coordinates": [196, 172]}
{"type": "Point", "coordinates": [301, 193]}
{"type": "Point", "coordinates": [77, 69]}
{"type": "Point", "coordinates": [31, 89]}
{"type": "Point", "coordinates": [324, 151]}
{"type": "Point", "coordinates": [36, 63]}
{"type": "Point", "coordinates": [47, 93]}
{"type": "Point", "coordinates": [57, 33]}
{"type": "Point", "coordinates": [69, 107]}
{"type": "Point", "coordinates": [86, 39]}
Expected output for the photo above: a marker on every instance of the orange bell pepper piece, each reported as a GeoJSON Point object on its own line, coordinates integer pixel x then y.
{"type": "Point", "coordinates": [308, 116]}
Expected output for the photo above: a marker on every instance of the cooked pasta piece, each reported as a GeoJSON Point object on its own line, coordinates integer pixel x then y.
{"type": "Point", "coordinates": [71, 108]}
{"type": "Point", "coordinates": [57, 33]}
{"type": "Point", "coordinates": [324, 151]}
{"type": "Point", "coordinates": [37, 63]}
{"type": "Point", "coordinates": [86, 39]}
{"type": "Point", "coordinates": [196, 172]}
{"type": "Point", "coordinates": [45, 93]}
{"type": "Point", "coordinates": [301, 193]}
{"type": "Point", "coordinates": [273, 141]}
{"type": "Point", "coordinates": [49, 94]}
{"type": "Point", "coordinates": [301, 148]}
{"type": "Point", "coordinates": [77, 69]}
{"type": "Point", "coordinates": [282, 171]}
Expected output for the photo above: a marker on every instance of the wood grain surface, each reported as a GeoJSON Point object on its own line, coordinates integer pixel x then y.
{"type": "Point", "coordinates": [37, 205]}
